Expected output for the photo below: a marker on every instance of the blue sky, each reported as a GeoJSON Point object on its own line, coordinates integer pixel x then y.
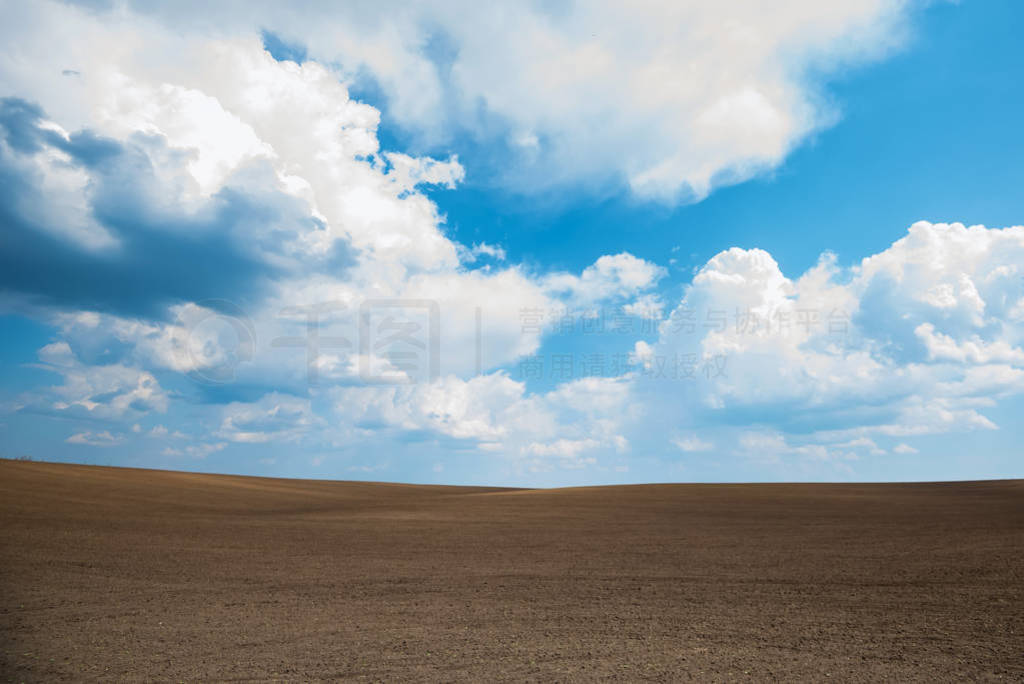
{"type": "Point", "coordinates": [175, 208]}
{"type": "Point", "coordinates": [923, 134]}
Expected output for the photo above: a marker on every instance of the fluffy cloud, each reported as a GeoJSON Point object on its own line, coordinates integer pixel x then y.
{"type": "Point", "coordinates": [227, 195]}
{"type": "Point", "coordinates": [671, 99]}
{"type": "Point", "coordinates": [205, 176]}
{"type": "Point", "coordinates": [648, 306]}
{"type": "Point", "coordinates": [494, 414]}
{"type": "Point", "coordinates": [275, 417]}
{"type": "Point", "coordinates": [99, 439]}
{"type": "Point", "coordinates": [914, 340]}
{"type": "Point", "coordinates": [186, 205]}
{"type": "Point", "coordinates": [610, 277]}
{"type": "Point", "coordinates": [109, 392]}
{"type": "Point", "coordinates": [129, 213]}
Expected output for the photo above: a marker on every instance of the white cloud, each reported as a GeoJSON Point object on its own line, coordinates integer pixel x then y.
{"type": "Point", "coordinates": [672, 100]}
{"type": "Point", "coordinates": [111, 391]}
{"type": "Point", "coordinates": [484, 408]}
{"type": "Point", "coordinates": [692, 443]}
{"type": "Point", "coordinates": [482, 250]}
{"type": "Point", "coordinates": [972, 350]}
{"type": "Point", "coordinates": [763, 441]}
{"type": "Point", "coordinates": [97, 439]}
{"type": "Point", "coordinates": [799, 385]}
{"type": "Point", "coordinates": [872, 350]}
{"type": "Point", "coordinates": [408, 172]}
{"type": "Point", "coordinates": [643, 354]}
{"type": "Point", "coordinates": [610, 277]}
{"type": "Point", "coordinates": [648, 306]}
{"type": "Point", "coordinates": [861, 443]}
{"type": "Point", "coordinates": [161, 432]}
{"type": "Point", "coordinates": [568, 453]}
{"type": "Point", "coordinates": [570, 427]}
{"type": "Point", "coordinates": [274, 417]}
{"type": "Point", "coordinates": [228, 108]}
{"type": "Point", "coordinates": [197, 451]}
{"type": "Point", "coordinates": [770, 447]}
{"type": "Point", "coordinates": [921, 338]}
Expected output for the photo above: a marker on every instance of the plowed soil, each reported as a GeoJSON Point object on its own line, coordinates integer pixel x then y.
{"type": "Point", "coordinates": [123, 574]}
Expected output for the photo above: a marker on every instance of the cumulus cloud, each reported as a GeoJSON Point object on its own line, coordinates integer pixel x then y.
{"type": "Point", "coordinates": [209, 177]}
{"type": "Point", "coordinates": [160, 432]}
{"type": "Point", "coordinates": [98, 439]}
{"type": "Point", "coordinates": [275, 417]}
{"type": "Point", "coordinates": [610, 277]}
{"type": "Point", "coordinates": [128, 215]}
{"type": "Point", "coordinates": [109, 391]}
{"type": "Point", "coordinates": [917, 339]}
{"type": "Point", "coordinates": [187, 205]}
{"type": "Point", "coordinates": [670, 99]}
{"type": "Point", "coordinates": [482, 250]}
{"type": "Point", "coordinates": [648, 306]}
{"type": "Point", "coordinates": [775, 369]}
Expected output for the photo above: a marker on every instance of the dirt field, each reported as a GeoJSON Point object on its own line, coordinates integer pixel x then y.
{"type": "Point", "coordinates": [121, 574]}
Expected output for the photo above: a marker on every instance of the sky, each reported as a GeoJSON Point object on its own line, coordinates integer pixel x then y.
{"type": "Point", "coordinates": [527, 244]}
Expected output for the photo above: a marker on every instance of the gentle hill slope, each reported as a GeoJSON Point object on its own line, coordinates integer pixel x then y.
{"type": "Point", "coordinates": [136, 574]}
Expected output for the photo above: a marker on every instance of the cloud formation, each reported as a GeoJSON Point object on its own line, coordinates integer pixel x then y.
{"type": "Point", "coordinates": [213, 233]}
{"type": "Point", "coordinates": [671, 100]}
{"type": "Point", "coordinates": [75, 205]}
{"type": "Point", "coordinates": [918, 339]}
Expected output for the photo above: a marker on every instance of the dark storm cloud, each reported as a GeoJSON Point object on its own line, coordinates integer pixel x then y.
{"type": "Point", "coordinates": [231, 246]}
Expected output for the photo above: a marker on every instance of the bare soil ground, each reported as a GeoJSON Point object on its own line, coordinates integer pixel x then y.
{"type": "Point", "coordinates": [121, 574]}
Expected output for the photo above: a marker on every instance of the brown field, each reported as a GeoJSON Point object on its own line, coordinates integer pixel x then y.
{"type": "Point", "coordinates": [122, 574]}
